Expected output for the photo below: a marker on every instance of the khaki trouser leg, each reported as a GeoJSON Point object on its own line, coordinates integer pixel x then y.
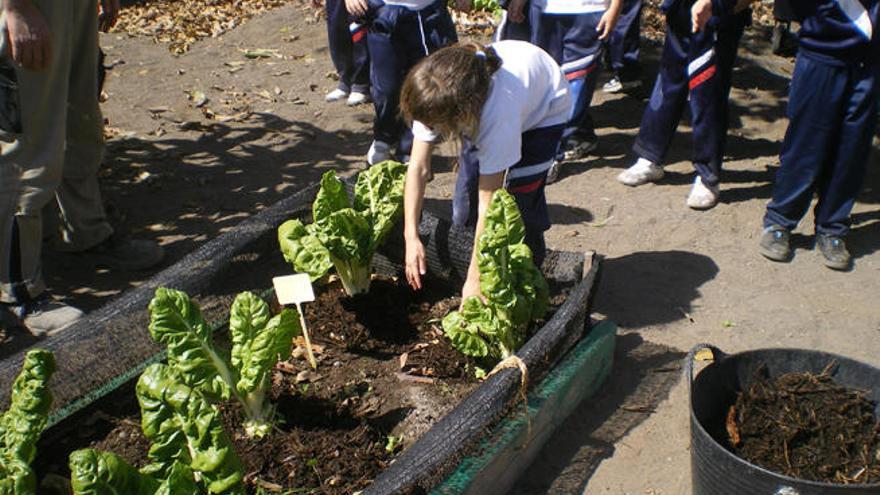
{"type": "Point", "coordinates": [31, 167]}
{"type": "Point", "coordinates": [81, 221]}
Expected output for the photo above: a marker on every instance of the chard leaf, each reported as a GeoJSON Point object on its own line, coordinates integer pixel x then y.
{"type": "Point", "coordinates": [177, 322]}
{"type": "Point", "coordinates": [514, 289]}
{"type": "Point", "coordinates": [24, 421]}
{"type": "Point", "coordinates": [379, 192]}
{"type": "Point", "coordinates": [185, 429]}
{"type": "Point", "coordinates": [257, 341]}
{"type": "Point", "coordinates": [331, 198]}
{"type": "Point", "coordinates": [104, 473]}
{"type": "Point", "coordinates": [303, 250]}
{"type": "Point", "coordinates": [464, 332]}
{"type": "Point", "coordinates": [346, 235]}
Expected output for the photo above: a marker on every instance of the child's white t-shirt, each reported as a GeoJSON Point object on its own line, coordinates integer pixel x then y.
{"type": "Point", "coordinates": [528, 92]}
{"type": "Point", "coordinates": [572, 7]}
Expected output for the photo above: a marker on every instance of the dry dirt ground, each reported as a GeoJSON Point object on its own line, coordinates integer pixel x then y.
{"type": "Point", "coordinates": [208, 138]}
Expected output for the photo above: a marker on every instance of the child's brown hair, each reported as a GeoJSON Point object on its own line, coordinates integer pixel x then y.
{"type": "Point", "coordinates": [447, 90]}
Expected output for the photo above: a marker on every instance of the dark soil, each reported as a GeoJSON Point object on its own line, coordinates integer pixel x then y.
{"type": "Point", "coordinates": [385, 375]}
{"type": "Point", "coordinates": [808, 427]}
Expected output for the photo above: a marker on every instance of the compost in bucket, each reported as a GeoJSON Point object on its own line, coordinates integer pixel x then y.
{"type": "Point", "coordinates": [806, 426]}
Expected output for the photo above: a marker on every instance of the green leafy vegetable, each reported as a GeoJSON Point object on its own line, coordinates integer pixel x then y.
{"type": "Point", "coordinates": [185, 429]}
{"type": "Point", "coordinates": [515, 292]}
{"type": "Point", "coordinates": [24, 421]}
{"type": "Point", "coordinates": [190, 452]}
{"type": "Point", "coordinates": [346, 233]}
{"type": "Point", "coordinates": [258, 341]}
{"type": "Point", "coordinates": [101, 473]}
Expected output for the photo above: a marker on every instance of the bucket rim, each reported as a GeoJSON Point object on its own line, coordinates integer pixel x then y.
{"type": "Point", "coordinates": [737, 459]}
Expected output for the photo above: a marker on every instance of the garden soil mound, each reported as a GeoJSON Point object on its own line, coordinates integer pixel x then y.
{"type": "Point", "coordinates": [807, 426]}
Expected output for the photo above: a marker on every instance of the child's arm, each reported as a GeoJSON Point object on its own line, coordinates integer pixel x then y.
{"type": "Point", "coordinates": [609, 19]}
{"type": "Point", "coordinates": [488, 185]}
{"type": "Point", "coordinates": [703, 10]}
{"type": "Point", "coordinates": [417, 175]}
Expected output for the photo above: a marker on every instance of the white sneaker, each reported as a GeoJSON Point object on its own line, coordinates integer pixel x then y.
{"type": "Point", "coordinates": [379, 152]}
{"type": "Point", "coordinates": [553, 172]}
{"type": "Point", "coordinates": [335, 95]}
{"type": "Point", "coordinates": [702, 197]}
{"type": "Point", "coordinates": [642, 172]}
{"type": "Point", "coordinates": [616, 85]}
{"type": "Point", "coordinates": [356, 98]}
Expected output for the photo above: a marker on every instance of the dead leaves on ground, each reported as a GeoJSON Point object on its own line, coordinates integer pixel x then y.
{"type": "Point", "coordinates": [180, 23]}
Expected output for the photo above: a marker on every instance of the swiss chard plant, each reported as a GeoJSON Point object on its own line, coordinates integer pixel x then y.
{"type": "Point", "coordinates": [513, 289]}
{"type": "Point", "coordinates": [190, 452]}
{"type": "Point", "coordinates": [345, 232]}
{"type": "Point", "coordinates": [24, 421]}
{"type": "Point", "coordinates": [258, 341]}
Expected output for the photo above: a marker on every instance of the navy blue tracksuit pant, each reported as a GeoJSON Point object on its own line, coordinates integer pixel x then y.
{"type": "Point", "coordinates": [348, 48]}
{"type": "Point", "coordinates": [526, 181]}
{"type": "Point", "coordinates": [695, 69]}
{"type": "Point", "coordinates": [832, 111]}
{"type": "Point", "coordinates": [623, 44]}
{"type": "Point", "coordinates": [398, 38]}
{"type": "Point", "coordinates": [573, 42]}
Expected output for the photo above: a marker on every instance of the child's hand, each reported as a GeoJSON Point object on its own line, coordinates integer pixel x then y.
{"type": "Point", "coordinates": [701, 12]}
{"type": "Point", "coordinates": [357, 8]}
{"type": "Point", "coordinates": [515, 11]}
{"type": "Point", "coordinates": [416, 266]}
{"type": "Point", "coordinates": [471, 289]}
{"type": "Point", "coordinates": [607, 23]}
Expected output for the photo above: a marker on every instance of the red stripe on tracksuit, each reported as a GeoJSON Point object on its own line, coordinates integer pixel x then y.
{"type": "Point", "coordinates": [358, 35]}
{"type": "Point", "coordinates": [527, 188]}
{"type": "Point", "coordinates": [702, 77]}
{"type": "Point", "coordinates": [581, 73]}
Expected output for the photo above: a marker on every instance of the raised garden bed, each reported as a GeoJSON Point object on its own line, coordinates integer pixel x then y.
{"type": "Point", "coordinates": [347, 395]}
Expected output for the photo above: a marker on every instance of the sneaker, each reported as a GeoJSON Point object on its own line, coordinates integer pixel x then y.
{"type": "Point", "coordinates": [616, 85]}
{"type": "Point", "coordinates": [356, 98]}
{"type": "Point", "coordinates": [124, 254]}
{"type": "Point", "coordinates": [379, 152]}
{"type": "Point", "coordinates": [776, 243]}
{"type": "Point", "coordinates": [834, 253]}
{"type": "Point", "coordinates": [335, 95]}
{"type": "Point", "coordinates": [553, 172]}
{"type": "Point", "coordinates": [703, 197]}
{"type": "Point", "coordinates": [44, 316]}
{"type": "Point", "coordinates": [642, 172]}
{"type": "Point", "coordinates": [576, 147]}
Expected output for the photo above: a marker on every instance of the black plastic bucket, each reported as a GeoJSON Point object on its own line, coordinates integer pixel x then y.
{"type": "Point", "coordinates": [715, 470]}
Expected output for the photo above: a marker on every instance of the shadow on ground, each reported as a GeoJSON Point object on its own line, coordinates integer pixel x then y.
{"type": "Point", "coordinates": [651, 288]}
{"type": "Point", "coordinates": [642, 376]}
{"type": "Point", "coordinates": [167, 189]}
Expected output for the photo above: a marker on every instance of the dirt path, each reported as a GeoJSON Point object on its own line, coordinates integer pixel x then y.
{"type": "Point", "coordinates": [182, 174]}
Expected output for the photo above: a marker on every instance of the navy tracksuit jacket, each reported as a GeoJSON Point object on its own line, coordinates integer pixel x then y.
{"type": "Point", "coordinates": [832, 111]}
{"type": "Point", "coordinates": [348, 48]}
{"type": "Point", "coordinates": [695, 69]}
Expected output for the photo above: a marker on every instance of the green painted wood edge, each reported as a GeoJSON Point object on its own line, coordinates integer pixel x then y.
{"type": "Point", "coordinates": [508, 449]}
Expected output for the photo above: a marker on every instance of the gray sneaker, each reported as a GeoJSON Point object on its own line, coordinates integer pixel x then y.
{"type": "Point", "coordinates": [124, 254]}
{"type": "Point", "coordinates": [776, 243]}
{"type": "Point", "coordinates": [834, 252]}
{"type": "Point", "coordinates": [44, 316]}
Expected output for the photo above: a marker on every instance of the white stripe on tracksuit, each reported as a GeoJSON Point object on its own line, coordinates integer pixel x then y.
{"type": "Point", "coordinates": [699, 62]}
{"type": "Point", "coordinates": [858, 15]}
{"type": "Point", "coordinates": [578, 64]}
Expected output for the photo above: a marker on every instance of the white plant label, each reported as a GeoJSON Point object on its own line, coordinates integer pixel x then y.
{"type": "Point", "coordinates": [293, 289]}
